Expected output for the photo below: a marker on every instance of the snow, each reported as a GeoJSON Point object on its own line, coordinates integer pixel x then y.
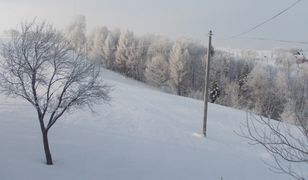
{"type": "Point", "coordinates": [142, 134]}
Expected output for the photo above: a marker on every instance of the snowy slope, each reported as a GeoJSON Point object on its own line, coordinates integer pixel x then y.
{"type": "Point", "coordinates": [144, 134]}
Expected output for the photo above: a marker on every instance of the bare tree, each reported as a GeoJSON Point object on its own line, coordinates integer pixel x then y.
{"type": "Point", "coordinates": [40, 66]}
{"type": "Point", "coordinates": [286, 143]}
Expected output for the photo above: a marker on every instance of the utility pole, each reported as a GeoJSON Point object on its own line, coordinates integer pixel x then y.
{"type": "Point", "coordinates": [206, 86]}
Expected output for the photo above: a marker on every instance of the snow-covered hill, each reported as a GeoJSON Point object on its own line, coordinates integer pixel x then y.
{"type": "Point", "coordinates": [143, 134]}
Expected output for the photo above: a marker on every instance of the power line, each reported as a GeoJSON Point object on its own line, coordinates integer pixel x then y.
{"type": "Point", "coordinates": [267, 20]}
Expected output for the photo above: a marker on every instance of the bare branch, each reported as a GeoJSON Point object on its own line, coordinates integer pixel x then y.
{"type": "Point", "coordinates": [286, 143]}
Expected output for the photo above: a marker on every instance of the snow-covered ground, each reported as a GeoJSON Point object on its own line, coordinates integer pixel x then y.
{"type": "Point", "coordinates": [143, 134]}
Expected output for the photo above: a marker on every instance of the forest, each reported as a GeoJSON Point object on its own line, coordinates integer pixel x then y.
{"type": "Point", "coordinates": [274, 85]}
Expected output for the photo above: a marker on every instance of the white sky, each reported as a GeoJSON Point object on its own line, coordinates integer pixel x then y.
{"type": "Point", "coordinates": [172, 18]}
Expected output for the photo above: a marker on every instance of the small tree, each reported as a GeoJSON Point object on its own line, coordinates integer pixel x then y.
{"type": "Point", "coordinates": [214, 92]}
{"type": "Point", "coordinates": [40, 66]}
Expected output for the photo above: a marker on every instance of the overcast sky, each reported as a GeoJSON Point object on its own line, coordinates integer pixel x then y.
{"type": "Point", "coordinates": [173, 18]}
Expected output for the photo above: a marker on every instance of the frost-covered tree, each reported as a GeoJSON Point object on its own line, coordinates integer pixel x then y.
{"type": "Point", "coordinates": [243, 78]}
{"type": "Point", "coordinates": [262, 97]}
{"type": "Point", "coordinates": [298, 91]}
{"type": "Point", "coordinates": [157, 45]}
{"type": "Point", "coordinates": [243, 86]}
{"type": "Point", "coordinates": [219, 75]}
{"type": "Point", "coordinates": [40, 66]}
{"type": "Point", "coordinates": [179, 68]}
{"type": "Point", "coordinates": [76, 33]}
{"type": "Point", "coordinates": [197, 56]}
{"type": "Point", "coordinates": [230, 97]}
{"type": "Point", "coordinates": [156, 71]}
{"type": "Point", "coordinates": [123, 53]}
{"type": "Point", "coordinates": [282, 90]}
{"type": "Point", "coordinates": [133, 57]}
{"type": "Point", "coordinates": [96, 44]}
{"type": "Point", "coordinates": [109, 50]}
{"type": "Point", "coordinates": [143, 46]}
{"type": "Point", "coordinates": [259, 84]}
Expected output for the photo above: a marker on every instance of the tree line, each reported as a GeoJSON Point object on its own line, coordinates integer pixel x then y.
{"type": "Point", "coordinates": [277, 89]}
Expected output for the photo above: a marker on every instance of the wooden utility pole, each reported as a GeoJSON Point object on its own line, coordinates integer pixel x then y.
{"type": "Point", "coordinates": [206, 86]}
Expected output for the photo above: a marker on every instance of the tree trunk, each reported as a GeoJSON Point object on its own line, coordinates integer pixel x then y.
{"type": "Point", "coordinates": [46, 148]}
